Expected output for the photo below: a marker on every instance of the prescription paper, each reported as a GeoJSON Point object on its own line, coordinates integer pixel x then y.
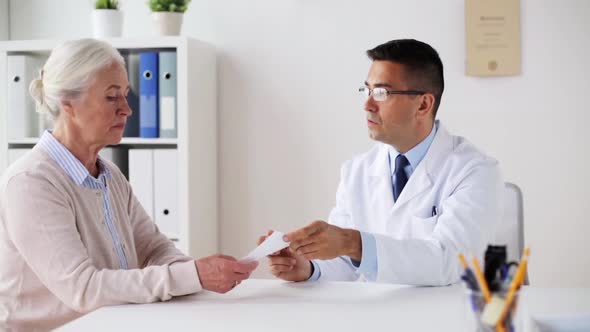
{"type": "Point", "coordinates": [273, 243]}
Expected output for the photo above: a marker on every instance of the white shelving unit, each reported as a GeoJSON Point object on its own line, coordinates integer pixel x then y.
{"type": "Point", "coordinates": [196, 142]}
{"type": "Point", "coordinates": [133, 141]}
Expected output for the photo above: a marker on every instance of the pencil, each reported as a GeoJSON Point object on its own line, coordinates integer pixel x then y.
{"type": "Point", "coordinates": [516, 282]}
{"type": "Point", "coordinates": [483, 285]}
{"type": "Point", "coordinates": [463, 261]}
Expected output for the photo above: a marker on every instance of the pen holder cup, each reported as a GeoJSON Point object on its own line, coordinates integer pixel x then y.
{"type": "Point", "coordinates": [477, 306]}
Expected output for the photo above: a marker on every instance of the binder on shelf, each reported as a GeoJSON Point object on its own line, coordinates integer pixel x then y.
{"type": "Point", "coordinates": [167, 87]}
{"type": "Point", "coordinates": [22, 118]}
{"type": "Point", "coordinates": [166, 192]}
{"type": "Point", "coordinates": [141, 177]}
{"type": "Point", "coordinates": [132, 126]}
{"type": "Point", "coordinates": [148, 95]}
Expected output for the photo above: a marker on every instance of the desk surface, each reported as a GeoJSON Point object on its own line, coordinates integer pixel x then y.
{"type": "Point", "coordinates": [273, 305]}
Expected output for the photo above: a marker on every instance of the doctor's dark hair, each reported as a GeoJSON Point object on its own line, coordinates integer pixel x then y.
{"type": "Point", "coordinates": [423, 69]}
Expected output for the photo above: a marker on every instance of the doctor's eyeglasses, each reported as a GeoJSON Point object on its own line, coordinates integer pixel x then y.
{"type": "Point", "coordinates": [380, 94]}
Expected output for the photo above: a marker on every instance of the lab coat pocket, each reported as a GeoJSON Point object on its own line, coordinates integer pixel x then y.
{"type": "Point", "coordinates": [423, 227]}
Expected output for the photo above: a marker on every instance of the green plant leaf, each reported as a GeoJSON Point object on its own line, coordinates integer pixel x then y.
{"type": "Point", "coordinates": [177, 6]}
{"type": "Point", "coordinates": [106, 4]}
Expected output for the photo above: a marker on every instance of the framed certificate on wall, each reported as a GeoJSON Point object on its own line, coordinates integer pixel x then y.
{"type": "Point", "coordinates": [492, 37]}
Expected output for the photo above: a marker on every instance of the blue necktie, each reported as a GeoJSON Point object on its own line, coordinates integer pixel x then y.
{"type": "Point", "coordinates": [400, 175]}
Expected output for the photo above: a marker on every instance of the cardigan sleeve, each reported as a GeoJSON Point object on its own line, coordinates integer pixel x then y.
{"type": "Point", "coordinates": [40, 221]}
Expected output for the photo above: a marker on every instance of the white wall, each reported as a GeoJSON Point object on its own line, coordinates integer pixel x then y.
{"type": "Point", "coordinates": [4, 23]}
{"type": "Point", "coordinates": [289, 115]}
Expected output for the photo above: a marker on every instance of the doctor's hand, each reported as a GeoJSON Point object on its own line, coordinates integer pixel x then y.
{"type": "Point", "coordinates": [221, 273]}
{"type": "Point", "coordinates": [320, 240]}
{"type": "Point", "coordinates": [286, 265]}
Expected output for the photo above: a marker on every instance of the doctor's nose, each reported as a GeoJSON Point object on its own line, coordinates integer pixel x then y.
{"type": "Point", "coordinates": [370, 105]}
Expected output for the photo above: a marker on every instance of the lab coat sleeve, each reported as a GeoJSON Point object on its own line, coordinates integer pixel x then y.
{"type": "Point", "coordinates": [339, 268]}
{"type": "Point", "coordinates": [465, 222]}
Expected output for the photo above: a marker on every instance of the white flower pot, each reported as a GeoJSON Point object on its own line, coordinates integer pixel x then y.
{"type": "Point", "coordinates": [168, 23]}
{"type": "Point", "coordinates": [107, 23]}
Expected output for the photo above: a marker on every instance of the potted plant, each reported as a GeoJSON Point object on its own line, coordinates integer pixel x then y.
{"type": "Point", "coordinates": [168, 15]}
{"type": "Point", "coordinates": [107, 19]}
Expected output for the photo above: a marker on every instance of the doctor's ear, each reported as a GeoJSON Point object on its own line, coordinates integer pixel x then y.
{"type": "Point", "coordinates": [426, 106]}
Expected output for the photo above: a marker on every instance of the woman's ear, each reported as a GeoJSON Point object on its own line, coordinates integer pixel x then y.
{"type": "Point", "coordinates": [67, 107]}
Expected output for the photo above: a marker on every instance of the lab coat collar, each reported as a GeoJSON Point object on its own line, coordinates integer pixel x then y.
{"type": "Point", "coordinates": [424, 175]}
{"type": "Point", "coordinates": [442, 146]}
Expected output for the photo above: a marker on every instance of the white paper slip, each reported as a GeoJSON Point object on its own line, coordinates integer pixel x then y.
{"type": "Point", "coordinates": [272, 244]}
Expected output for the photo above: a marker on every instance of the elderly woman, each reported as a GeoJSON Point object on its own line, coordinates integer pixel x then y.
{"type": "Point", "coordinates": [73, 236]}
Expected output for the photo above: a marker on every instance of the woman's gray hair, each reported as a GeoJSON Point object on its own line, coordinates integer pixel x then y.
{"type": "Point", "coordinates": [69, 71]}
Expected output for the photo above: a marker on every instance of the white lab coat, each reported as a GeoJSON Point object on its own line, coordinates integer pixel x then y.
{"type": "Point", "coordinates": [414, 247]}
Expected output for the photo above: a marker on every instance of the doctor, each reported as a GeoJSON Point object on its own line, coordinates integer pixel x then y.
{"type": "Point", "coordinates": [406, 208]}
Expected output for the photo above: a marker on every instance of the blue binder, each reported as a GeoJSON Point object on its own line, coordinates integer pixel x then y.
{"type": "Point", "coordinates": [148, 95]}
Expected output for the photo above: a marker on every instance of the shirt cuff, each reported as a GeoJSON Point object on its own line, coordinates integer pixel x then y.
{"type": "Point", "coordinates": [368, 264]}
{"type": "Point", "coordinates": [184, 278]}
{"type": "Point", "coordinates": [316, 274]}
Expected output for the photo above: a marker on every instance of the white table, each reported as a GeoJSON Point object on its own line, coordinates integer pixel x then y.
{"type": "Point", "coordinates": [555, 309]}
{"type": "Point", "coordinates": [273, 305]}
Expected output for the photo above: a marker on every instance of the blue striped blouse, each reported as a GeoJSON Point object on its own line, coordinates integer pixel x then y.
{"type": "Point", "coordinates": [80, 175]}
